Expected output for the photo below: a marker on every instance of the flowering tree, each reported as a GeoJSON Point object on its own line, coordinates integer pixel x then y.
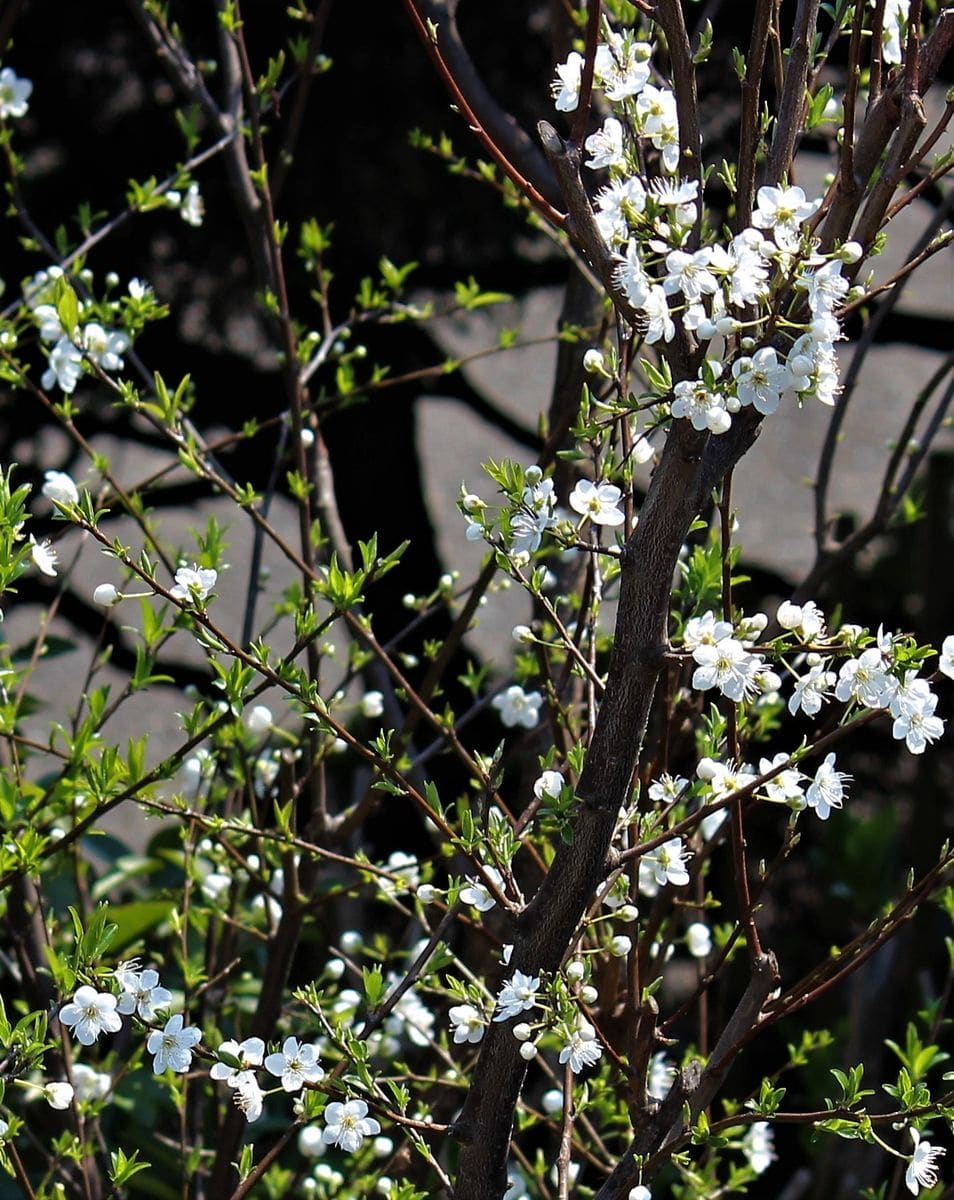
{"type": "Point", "coordinates": [548, 996]}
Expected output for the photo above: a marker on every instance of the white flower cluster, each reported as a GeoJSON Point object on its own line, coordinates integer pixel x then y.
{"type": "Point", "coordinates": [91, 341]}
{"type": "Point", "coordinates": [872, 679]}
{"type": "Point", "coordinates": [536, 511]}
{"type": "Point", "coordinates": [295, 1065]}
{"type": "Point", "coordinates": [722, 660]}
{"type": "Point", "coordinates": [92, 1012]}
{"type": "Point", "coordinates": [647, 223]}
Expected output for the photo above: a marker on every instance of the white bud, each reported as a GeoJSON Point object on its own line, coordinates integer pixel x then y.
{"type": "Point", "coordinates": [334, 968]}
{"type": "Point", "coordinates": [372, 705]}
{"type": "Point", "coordinates": [789, 615]}
{"type": "Point", "coordinates": [106, 595]}
{"type": "Point", "coordinates": [851, 252]}
{"type": "Point", "coordinates": [593, 362]}
{"type": "Point", "coordinates": [522, 1032]}
{"type": "Point", "coordinates": [627, 913]}
{"type": "Point", "coordinates": [308, 438]}
{"type": "Point", "coordinates": [699, 940]}
{"type": "Point", "coordinates": [533, 474]}
{"type": "Point", "coordinates": [522, 633]}
{"type": "Point", "coordinates": [620, 946]}
{"type": "Point", "coordinates": [575, 970]}
{"type": "Point", "coordinates": [589, 994]}
{"type": "Point", "coordinates": [351, 941]}
{"type": "Point", "coordinates": [257, 719]}
{"type": "Point", "coordinates": [427, 893]}
{"type": "Point", "coordinates": [552, 1101]}
{"type": "Point", "coordinates": [528, 1051]}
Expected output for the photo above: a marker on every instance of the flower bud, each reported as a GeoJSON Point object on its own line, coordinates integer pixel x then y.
{"type": "Point", "coordinates": [106, 595]}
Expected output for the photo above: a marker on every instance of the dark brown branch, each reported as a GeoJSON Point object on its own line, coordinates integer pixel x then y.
{"type": "Point", "coordinates": [498, 132]}
{"type": "Point", "coordinates": [792, 106]}
{"type": "Point", "coordinates": [749, 122]}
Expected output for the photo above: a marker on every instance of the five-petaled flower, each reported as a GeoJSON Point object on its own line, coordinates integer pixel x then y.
{"type": "Point", "coordinates": [142, 994]}
{"type": "Point", "coordinates": [347, 1125]}
{"type": "Point", "coordinates": [517, 707]}
{"type": "Point", "coordinates": [598, 502]}
{"type": "Point", "coordinates": [193, 584]}
{"type": "Point", "coordinates": [517, 995]}
{"type": "Point", "coordinates": [171, 1047]}
{"type": "Point", "coordinates": [295, 1064]}
{"type": "Point", "coordinates": [90, 1013]}
{"type": "Point", "coordinates": [668, 863]}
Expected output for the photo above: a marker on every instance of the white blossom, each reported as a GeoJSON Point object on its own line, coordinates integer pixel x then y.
{"type": "Point", "coordinates": [787, 786]}
{"type": "Point", "coordinates": [171, 1047]}
{"type": "Point", "coordinates": [105, 347]}
{"type": "Point", "coordinates": [477, 894]}
{"type": "Point", "coordinates": [467, 1022]}
{"type": "Point", "coordinates": [14, 93]}
{"type": "Point", "coordinates": [249, 1053]}
{"type": "Point", "coordinates": [106, 594]}
{"type": "Point", "coordinates": [295, 1064]}
{"type": "Point", "coordinates": [827, 789]}
{"type": "Point", "coordinates": [44, 556]}
{"type": "Point", "coordinates": [347, 1125]}
{"type": "Point", "coordinates": [622, 66]}
{"type": "Point", "coordinates": [193, 584]}
{"type": "Point", "coordinates": [58, 1094]}
{"type": "Point", "coordinates": [605, 147]}
{"type": "Point", "coordinates": [549, 785]}
{"type": "Point", "coordinates": [517, 707]}
{"type": "Point", "coordinates": [518, 994]}
{"type": "Point", "coordinates": [760, 380]}
{"type": "Point", "coordinates": [922, 1171]}
{"type": "Point", "coordinates": [668, 863]}
{"type": "Point", "coordinates": [142, 994]}
{"type": "Point", "coordinates": [90, 1084]}
{"type": "Point", "coordinates": [782, 211]}
{"type": "Point", "coordinates": [60, 487]}
{"type": "Point", "coordinates": [89, 1014]}
{"type": "Point", "coordinates": [757, 1146]}
{"type": "Point", "coordinates": [598, 502]}
{"type": "Point", "coordinates": [257, 719]}
{"type": "Point", "coordinates": [582, 1048]}
{"type": "Point", "coordinates": [946, 662]}
{"type": "Point", "coordinates": [566, 86]}
{"type": "Point", "coordinates": [918, 726]}
{"type": "Point", "coordinates": [699, 939]}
